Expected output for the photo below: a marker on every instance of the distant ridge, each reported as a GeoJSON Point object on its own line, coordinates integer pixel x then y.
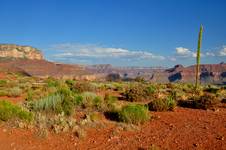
{"type": "Point", "coordinates": [30, 61]}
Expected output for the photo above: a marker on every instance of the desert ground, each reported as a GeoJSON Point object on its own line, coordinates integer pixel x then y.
{"type": "Point", "coordinates": [109, 115]}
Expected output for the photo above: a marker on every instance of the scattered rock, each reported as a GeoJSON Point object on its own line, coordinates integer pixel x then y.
{"type": "Point", "coordinates": [12, 144]}
{"type": "Point", "coordinates": [220, 137]}
{"type": "Point", "coordinates": [4, 130]}
{"type": "Point", "coordinates": [195, 144]}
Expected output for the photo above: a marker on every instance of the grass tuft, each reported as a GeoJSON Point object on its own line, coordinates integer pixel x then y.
{"type": "Point", "coordinates": [135, 114]}
{"type": "Point", "coordinates": [9, 111]}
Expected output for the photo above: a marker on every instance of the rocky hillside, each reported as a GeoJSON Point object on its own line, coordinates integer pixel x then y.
{"type": "Point", "coordinates": [209, 73]}
{"type": "Point", "coordinates": [35, 65]}
{"type": "Point", "coordinates": [16, 51]}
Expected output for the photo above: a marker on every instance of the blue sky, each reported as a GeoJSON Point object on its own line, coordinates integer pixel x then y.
{"type": "Point", "coordinates": [119, 32]}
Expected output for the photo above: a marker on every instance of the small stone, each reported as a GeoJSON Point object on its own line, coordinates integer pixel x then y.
{"type": "Point", "coordinates": [216, 110]}
{"type": "Point", "coordinates": [4, 130]}
{"type": "Point", "coordinates": [195, 144]}
{"type": "Point", "coordinates": [221, 138]}
{"type": "Point", "coordinates": [12, 144]}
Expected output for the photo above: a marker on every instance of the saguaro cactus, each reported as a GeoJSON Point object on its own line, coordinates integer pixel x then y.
{"type": "Point", "coordinates": [198, 57]}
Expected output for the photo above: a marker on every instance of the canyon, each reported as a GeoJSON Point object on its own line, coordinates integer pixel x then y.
{"type": "Point", "coordinates": [30, 61]}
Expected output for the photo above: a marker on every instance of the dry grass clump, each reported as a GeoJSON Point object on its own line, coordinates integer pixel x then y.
{"type": "Point", "coordinates": [205, 101]}
{"type": "Point", "coordinates": [14, 92]}
{"type": "Point", "coordinates": [139, 92]}
{"type": "Point", "coordinates": [167, 104]}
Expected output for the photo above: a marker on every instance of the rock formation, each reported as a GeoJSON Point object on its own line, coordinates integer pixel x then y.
{"type": "Point", "coordinates": [16, 51]}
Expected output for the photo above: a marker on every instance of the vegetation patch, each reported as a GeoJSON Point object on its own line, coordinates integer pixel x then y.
{"type": "Point", "coordinates": [206, 101]}
{"type": "Point", "coordinates": [80, 87]}
{"type": "Point", "coordinates": [3, 83]}
{"type": "Point", "coordinates": [135, 114]}
{"type": "Point", "coordinates": [49, 103]}
{"type": "Point", "coordinates": [9, 111]}
{"type": "Point", "coordinates": [135, 93]}
{"type": "Point", "coordinates": [14, 92]}
{"type": "Point", "coordinates": [163, 104]}
{"type": "Point", "coordinates": [92, 101]}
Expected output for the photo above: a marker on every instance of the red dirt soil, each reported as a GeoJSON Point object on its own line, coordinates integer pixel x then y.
{"type": "Point", "coordinates": [181, 129]}
{"type": "Point", "coordinates": [13, 99]}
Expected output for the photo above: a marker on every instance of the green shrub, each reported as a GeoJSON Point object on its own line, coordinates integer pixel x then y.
{"type": "Point", "coordinates": [70, 82]}
{"type": "Point", "coordinates": [67, 103]}
{"type": "Point", "coordinates": [3, 83]}
{"type": "Point", "coordinates": [14, 92]}
{"type": "Point", "coordinates": [49, 103]}
{"type": "Point", "coordinates": [82, 86]}
{"type": "Point", "coordinates": [78, 100]}
{"type": "Point", "coordinates": [52, 82]}
{"type": "Point", "coordinates": [64, 90]}
{"type": "Point", "coordinates": [163, 104]}
{"type": "Point", "coordinates": [97, 102]}
{"type": "Point", "coordinates": [206, 101]}
{"type": "Point", "coordinates": [151, 89]}
{"type": "Point", "coordinates": [110, 101]}
{"type": "Point", "coordinates": [158, 105]}
{"type": "Point", "coordinates": [136, 93]}
{"type": "Point", "coordinates": [91, 100]}
{"type": "Point", "coordinates": [88, 97]}
{"type": "Point", "coordinates": [9, 111]}
{"type": "Point", "coordinates": [67, 106]}
{"type": "Point", "coordinates": [61, 101]}
{"type": "Point", "coordinates": [134, 114]}
{"type": "Point", "coordinates": [118, 87]}
{"type": "Point", "coordinates": [29, 95]}
{"type": "Point", "coordinates": [171, 103]}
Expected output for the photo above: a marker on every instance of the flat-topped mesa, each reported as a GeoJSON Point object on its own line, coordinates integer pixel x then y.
{"type": "Point", "coordinates": [16, 51]}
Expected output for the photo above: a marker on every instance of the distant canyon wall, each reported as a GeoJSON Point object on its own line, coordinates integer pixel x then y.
{"type": "Point", "coordinates": [31, 62]}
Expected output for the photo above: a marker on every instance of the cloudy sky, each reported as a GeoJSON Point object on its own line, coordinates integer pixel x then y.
{"type": "Point", "coordinates": [118, 32]}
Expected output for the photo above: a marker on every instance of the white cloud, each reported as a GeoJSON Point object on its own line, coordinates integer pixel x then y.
{"type": "Point", "coordinates": [184, 52]}
{"type": "Point", "coordinates": [222, 52]}
{"type": "Point", "coordinates": [94, 51]}
{"type": "Point", "coordinates": [64, 54]}
{"type": "Point", "coordinates": [209, 54]}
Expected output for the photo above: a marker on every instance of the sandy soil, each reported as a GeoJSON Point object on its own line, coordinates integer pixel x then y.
{"type": "Point", "coordinates": [181, 129]}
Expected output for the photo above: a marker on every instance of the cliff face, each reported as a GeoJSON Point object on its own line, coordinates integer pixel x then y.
{"type": "Point", "coordinates": [16, 51]}
{"type": "Point", "coordinates": [209, 73]}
